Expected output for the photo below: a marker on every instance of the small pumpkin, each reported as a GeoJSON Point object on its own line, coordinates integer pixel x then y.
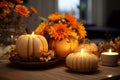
{"type": "Point", "coordinates": [31, 45]}
{"type": "Point", "coordinates": [85, 62]}
{"type": "Point", "coordinates": [64, 47]}
{"type": "Point", "coordinates": [89, 47]}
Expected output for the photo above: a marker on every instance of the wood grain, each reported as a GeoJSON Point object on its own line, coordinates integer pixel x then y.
{"type": "Point", "coordinates": [58, 72]}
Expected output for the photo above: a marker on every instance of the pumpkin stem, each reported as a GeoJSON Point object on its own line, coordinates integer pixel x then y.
{"type": "Point", "coordinates": [85, 41]}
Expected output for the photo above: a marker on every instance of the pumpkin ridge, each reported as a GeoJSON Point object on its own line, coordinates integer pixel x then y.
{"type": "Point", "coordinates": [17, 43]}
{"type": "Point", "coordinates": [41, 38]}
{"type": "Point", "coordinates": [41, 43]}
{"type": "Point", "coordinates": [33, 47]}
{"type": "Point", "coordinates": [28, 47]}
{"type": "Point", "coordinates": [45, 44]}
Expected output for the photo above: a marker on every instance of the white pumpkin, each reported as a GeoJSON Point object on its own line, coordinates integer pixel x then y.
{"type": "Point", "coordinates": [90, 47]}
{"type": "Point", "coordinates": [31, 45]}
{"type": "Point", "coordinates": [85, 62]}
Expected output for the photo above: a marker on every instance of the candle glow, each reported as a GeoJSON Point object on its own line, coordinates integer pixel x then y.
{"type": "Point", "coordinates": [109, 50]}
{"type": "Point", "coordinates": [110, 53]}
{"type": "Point", "coordinates": [32, 33]}
{"type": "Point", "coordinates": [109, 58]}
{"type": "Point", "coordinates": [82, 51]}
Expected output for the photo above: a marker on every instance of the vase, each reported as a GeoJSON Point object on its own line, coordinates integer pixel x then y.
{"type": "Point", "coordinates": [9, 34]}
{"type": "Point", "coordinates": [64, 47]}
{"type": "Point", "coordinates": [8, 37]}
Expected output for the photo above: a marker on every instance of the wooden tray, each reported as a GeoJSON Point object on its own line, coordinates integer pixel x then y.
{"type": "Point", "coordinates": [39, 64]}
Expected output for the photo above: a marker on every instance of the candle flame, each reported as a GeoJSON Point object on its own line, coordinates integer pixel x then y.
{"type": "Point", "coordinates": [32, 33]}
{"type": "Point", "coordinates": [82, 51]}
{"type": "Point", "coordinates": [110, 51]}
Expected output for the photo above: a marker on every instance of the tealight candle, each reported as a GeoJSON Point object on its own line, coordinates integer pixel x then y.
{"type": "Point", "coordinates": [109, 58]}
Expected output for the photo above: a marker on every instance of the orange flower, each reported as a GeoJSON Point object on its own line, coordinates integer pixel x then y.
{"type": "Point", "coordinates": [19, 1]}
{"type": "Point", "coordinates": [55, 16]}
{"type": "Point", "coordinates": [71, 20]}
{"type": "Point", "coordinates": [41, 28]}
{"type": "Point", "coordinates": [61, 26]}
{"type": "Point", "coordinates": [22, 10]}
{"type": "Point", "coordinates": [4, 4]}
{"type": "Point", "coordinates": [81, 30]}
{"type": "Point", "coordinates": [10, 4]}
{"type": "Point", "coordinates": [34, 10]}
{"type": "Point", "coordinates": [59, 31]}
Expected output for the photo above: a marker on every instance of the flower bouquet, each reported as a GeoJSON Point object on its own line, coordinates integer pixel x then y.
{"type": "Point", "coordinates": [63, 32]}
{"type": "Point", "coordinates": [12, 15]}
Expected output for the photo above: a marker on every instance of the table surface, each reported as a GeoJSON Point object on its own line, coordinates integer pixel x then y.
{"type": "Point", "coordinates": [58, 72]}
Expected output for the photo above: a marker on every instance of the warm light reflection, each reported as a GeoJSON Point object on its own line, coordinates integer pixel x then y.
{"type": "Point", "coordinates": [109, 76]}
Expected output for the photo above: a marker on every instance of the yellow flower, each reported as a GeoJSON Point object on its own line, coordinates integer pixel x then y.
{"type": "Point", "coordinates": [55, 16]}
{"type": "Point", "coordinates": [74, 35]}
{"type": "Point", "coordinates": [71, 20]}
{"type": "Point", "coordinates": [41, 28]}
{"type": "Point", "coordinates": [81, 30]}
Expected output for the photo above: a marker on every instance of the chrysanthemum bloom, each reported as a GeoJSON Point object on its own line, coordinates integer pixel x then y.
{"type": "Point", "coordinates": [71, 20]}
{"type": "Point", "coordinates": [61, 26]}
{"type": "Point", "coordinates": [22, 10]}
{"type": "Point", "coordinates": [4, 4]}
{"type": "Point", "coordinates": [81, 30]}
{"type": "Point", "coordinates": [54, 17]}
{"type": "Point", "coordinates": [59, 31]}
{"type": "Point", "coordinates": [41, 28]}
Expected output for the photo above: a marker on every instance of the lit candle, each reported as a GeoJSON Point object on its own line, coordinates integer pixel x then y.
{"type": "Point", "coordinates": [110, 53]}
{"type": "Point", "coordinates": [82, 61]}
{"type": "Point", "coordinates": [109, 58]}
{"type": "Point", "coordinates": [31, 45]}
{"type": "Point", "coordinates": [82, 52]}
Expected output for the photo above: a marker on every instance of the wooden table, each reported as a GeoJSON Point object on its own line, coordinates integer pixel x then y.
{"type": "Point", "coordinates": [58, 72]}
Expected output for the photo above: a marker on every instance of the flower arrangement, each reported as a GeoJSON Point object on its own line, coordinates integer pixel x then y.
{"type": "Point", "coordinates": [12, 12]}
{"type": "Point", "coordinates": [60, 26]}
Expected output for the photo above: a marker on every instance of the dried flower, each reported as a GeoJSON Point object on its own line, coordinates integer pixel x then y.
{"type": "Point", "coordinates": [113, 44]}
{"type": "Point", "coordinates": [34, 10]}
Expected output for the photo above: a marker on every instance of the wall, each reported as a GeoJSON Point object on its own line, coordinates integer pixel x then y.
{"type": "Point", "coordinates": [102, 11]}
{"type": "Point", "coordinates": [44, 7]}
{"type": "Point", "coordinates": [113, 13]}
{"type": "Point", "coordinates": [98, 12]}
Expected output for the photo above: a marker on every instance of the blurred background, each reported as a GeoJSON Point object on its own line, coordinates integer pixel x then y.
{"type": "Point", "coordinates": [100, 17]}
